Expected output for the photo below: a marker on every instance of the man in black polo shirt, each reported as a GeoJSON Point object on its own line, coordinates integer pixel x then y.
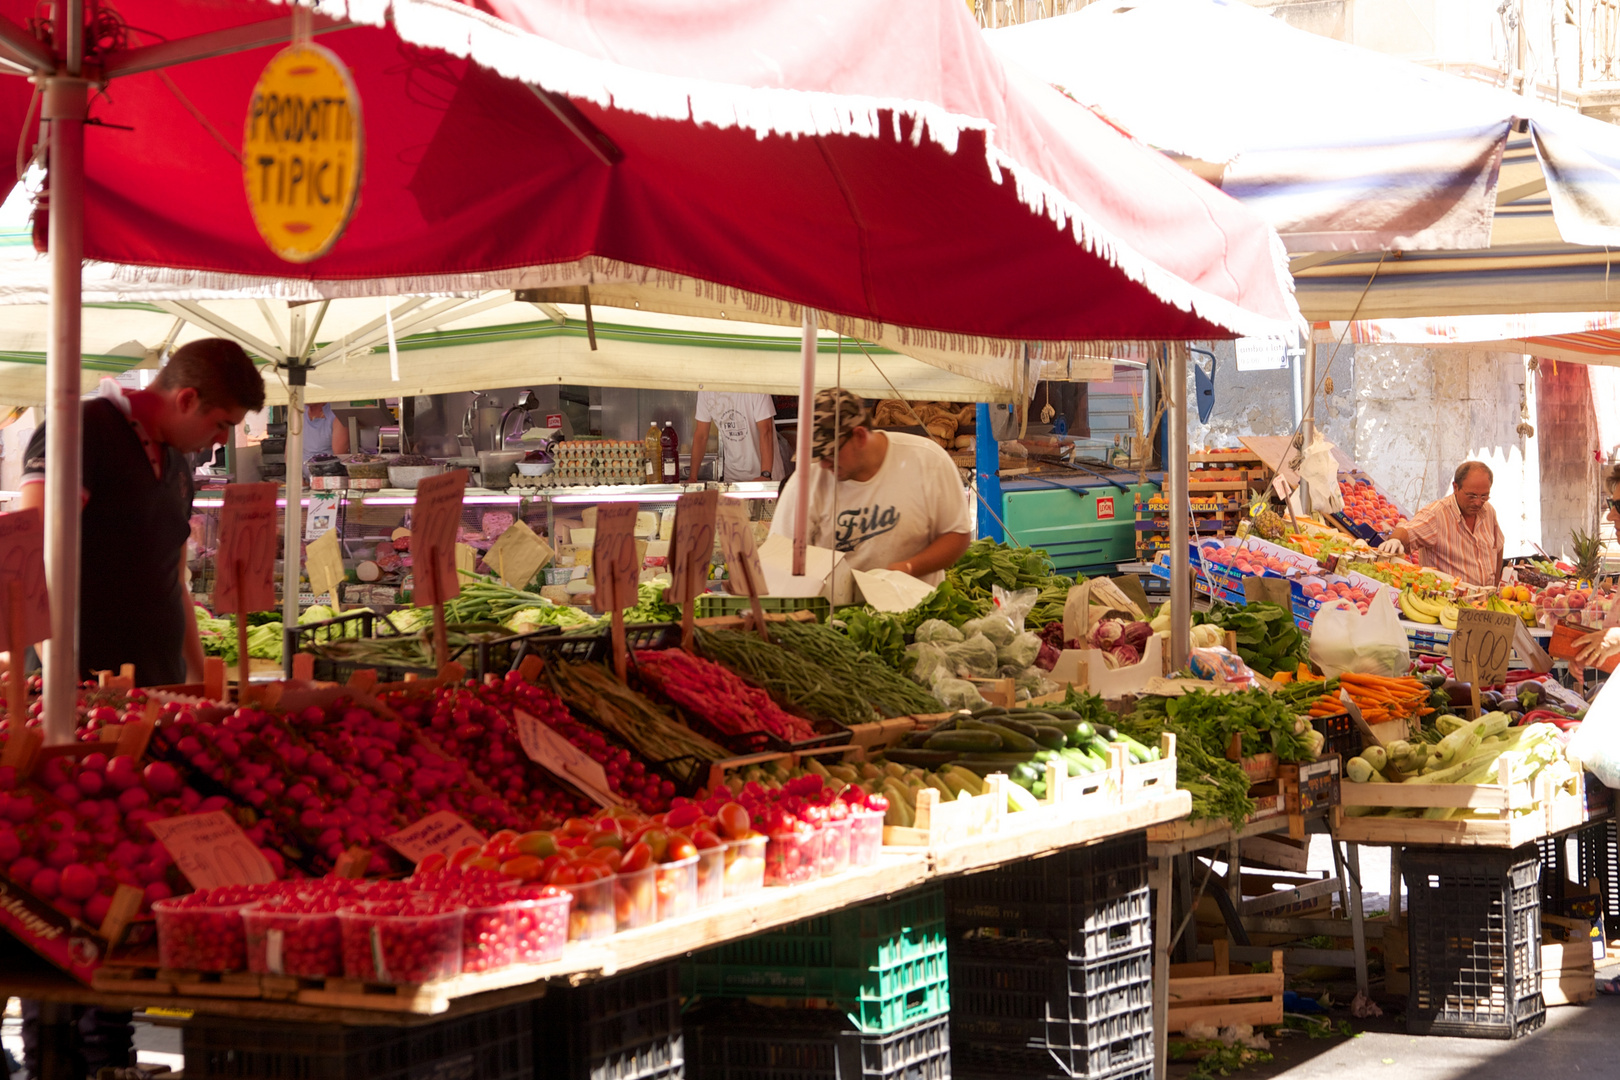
{"type": "Point", "coordinates": [133, 603]}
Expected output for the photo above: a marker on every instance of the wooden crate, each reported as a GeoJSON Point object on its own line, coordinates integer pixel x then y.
{"type": "Point", "coordinates": [1223, 999]}
{"type": "Point", "coordinates": [1552, 808]}
{"type": "Point", "coordinates": [965, 818]}
{"type": "Point", "coordinates": [1568, 973]}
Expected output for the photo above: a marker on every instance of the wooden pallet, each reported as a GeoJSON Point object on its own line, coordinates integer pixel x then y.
{"type": "Point", "coordinates": [1222, 999]}
{"type": "Point", "coordinates": [1522, 811]}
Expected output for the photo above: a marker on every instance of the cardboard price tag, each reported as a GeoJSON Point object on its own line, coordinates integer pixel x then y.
{"type": "Point", "coordinates": [517, 555]}
{"type": "Point", "coordinates": [211, 849]}
{"type": "Point", "coordinates": [1481, 645]}
{"type": "Point", "coordinates": [746, 576]}
{"type": "Point", "coordinates": [324, 560]}
{"type": "Point", "coordinates": [247, 545]}
{"type": "Point", "coordinates": [435, 522]}
{"type": "Point", "coordinates": [442, 832]}
{"type": "Point", "coordinates": [563, 759]}
{"type": "Point", "coordinates": [693, 546]}
{"type": "Point", "coordinates": [613, 556]}
{"type": "Point", "coordinates": [466, 559]}
{"type": "Point", "coordinates": [1267, 590]}
{"type": "Point", "coordinates": [22, 577]}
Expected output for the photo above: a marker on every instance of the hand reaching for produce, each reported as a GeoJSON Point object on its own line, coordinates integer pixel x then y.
{"type": "Point", "coordinates": [1392, 546]}
{"type": "Point", "coordinates": [1598, 647]}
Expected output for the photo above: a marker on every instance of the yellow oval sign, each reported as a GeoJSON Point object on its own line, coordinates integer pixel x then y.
{"type": "Point", "coordinates": [303, 152]}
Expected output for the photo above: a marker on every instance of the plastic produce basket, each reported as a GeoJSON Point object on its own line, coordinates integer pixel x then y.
{"type": "Point", "coordinates": [742, 1042]}
{"type": "Point", "coordinates": [1339, 734]}
{"type": "Point", "coordinates": [716, 605]}
{"type": "Point", "coordinates": [493, 1045]}
{"type": "Point", "coordinates": [624, 1028]}
{"type": "Point", "coordinates": [1091, 902]}
{"type": "Point", "coordinates": [884, 964]}
{"type": "Point", "coordinates": [1474, 935]}
{"type": "Point", "coordinates": [1590, 854]}
{"type": "Point", "coordinates": [1021, 1009]}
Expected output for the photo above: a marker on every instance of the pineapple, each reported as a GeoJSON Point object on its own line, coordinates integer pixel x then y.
{"type": "Point", "coordinates": [1270, 525]}
{"type": "Point", "coordinates": [1588, 554]}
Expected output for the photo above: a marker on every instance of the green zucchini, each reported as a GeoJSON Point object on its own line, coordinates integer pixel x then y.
{"type": "Point", "coordinates": [964, 741]}
{"type": "Point", "coordinates": [1010, 739]}
{"type": "Point", "coordinates": [1051, 737]}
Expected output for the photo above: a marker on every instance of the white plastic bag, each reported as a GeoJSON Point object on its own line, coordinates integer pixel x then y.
{"type": "Point", "coordinates": [1320, 470]}
{"type": "Point", "coordinates": [1595, 746]}
{"type": "Point", "coordinates": [1343, 639]}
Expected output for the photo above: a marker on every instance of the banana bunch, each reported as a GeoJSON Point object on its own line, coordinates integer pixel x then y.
{"type": "Point", "coordinates": [1424, 609]}
{"type": "Point", "coordinates": [1525, 610]}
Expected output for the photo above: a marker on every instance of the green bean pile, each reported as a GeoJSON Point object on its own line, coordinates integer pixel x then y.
{"type": "Point", "coordinates": [786, 676]}
{"type": "Point", "coordinates": [890, 692]}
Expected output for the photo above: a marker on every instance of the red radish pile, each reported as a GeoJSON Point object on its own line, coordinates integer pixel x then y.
{"type": "Point", "coordinates": [474, 723]}
{"type": "Point", "coordinates": [720, 697]}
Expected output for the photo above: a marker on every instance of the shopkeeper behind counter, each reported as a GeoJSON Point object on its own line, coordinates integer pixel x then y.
{"type": "Point", "coordinates": [1458, 534]}
{"type": "Point", "coordinates": [896, 502]}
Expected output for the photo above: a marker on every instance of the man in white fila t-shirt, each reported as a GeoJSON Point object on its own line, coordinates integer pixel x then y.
{"type": "Point", "coordinates": [896, 503]}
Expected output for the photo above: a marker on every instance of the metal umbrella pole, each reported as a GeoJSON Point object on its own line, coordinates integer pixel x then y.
{"type": "Point", "coordinates": [65, 96]}
{"type": "Point", "coordinates": [802, 463]}
{"type": "Point", "coordinates": [292, 551]}
{"type": "Point", "coordinates": [1175, 484]}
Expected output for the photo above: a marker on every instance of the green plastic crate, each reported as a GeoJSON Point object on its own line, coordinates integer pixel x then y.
{"type": "Point", "coordinates": [883, 963]}
{"type": "Point", "coordinates": [717, 605]}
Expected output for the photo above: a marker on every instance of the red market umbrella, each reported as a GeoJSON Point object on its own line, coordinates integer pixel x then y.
{"type": "Point", "coordinates": [874, 163]}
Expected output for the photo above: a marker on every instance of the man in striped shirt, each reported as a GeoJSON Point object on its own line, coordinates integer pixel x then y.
{"type": "Point", "coordinates": [1457, 535]}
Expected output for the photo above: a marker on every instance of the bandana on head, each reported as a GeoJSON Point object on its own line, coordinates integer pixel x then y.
{"type": "Point", "coordinates": [838, 414]}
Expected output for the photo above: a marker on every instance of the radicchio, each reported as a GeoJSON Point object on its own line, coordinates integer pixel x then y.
{"type": "Point", "coordinates": [1107, 634]}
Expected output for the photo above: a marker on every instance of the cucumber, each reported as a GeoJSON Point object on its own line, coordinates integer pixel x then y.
{"type": "Point", "coordinates": [1064, 714]}
{"type": "Point", "coordinates": [1010, 739]}
{"type": "Point", "coordinates": [964, 741]}
{"type": "Point", "coordinates": [922, 759]}
{"type": "Point", "coordinates": [1051, 737]}
{"type": "Point", "coordinates": [1023, 727]}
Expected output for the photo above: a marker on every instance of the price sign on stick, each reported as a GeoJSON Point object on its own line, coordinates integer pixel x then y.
{"type": "Point", "coordinates": [211, 850]}
{"type": "Point", "coordinates": [434, 524]}
{"type": "Point", "coordinates": [517, 555]}
{"type": "Point", "coordinates": [745, 575]}
{"type": "Point", "coordinates": [245, 562]}
{"type": "Point", "coordinates": [1480, 647]}
{"type": "Point", "coordinates": [324, 559]}
{"type": "Point", "coordinates": [244, 578]}
{"type": "Point", "coordinates": [691, 553]}
{"type": "Point", "coordinates": [613, 559]}
{"type": "Point", "coordinates": [443, 832]}
{"type": "Point", "coordinates": [27, 606]}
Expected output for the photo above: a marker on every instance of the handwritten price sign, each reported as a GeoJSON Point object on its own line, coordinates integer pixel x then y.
{"type": "Point", "coordinates": [245, 561]}
{"type": "Point", "coordinates": [434, 524]}
{"type": "Point", "coordinates": [324, 560]}
{"type": "Point", "coordinates": [22, 578]}
{"type": "Point", "coordinates": [693, 548]}
{"type": "Point", "coordinates": [442, 832]}
{"type": "Point", "coordinates": [1481, 645]}
{"type": "Point", "coordinates": [211, 850]}
{"type": "Point", "coordinates": [613, 556]}
{"type": "Point", "coordinates": [747, 577]}
{"type": "Point", "coordinates": [517, 555]}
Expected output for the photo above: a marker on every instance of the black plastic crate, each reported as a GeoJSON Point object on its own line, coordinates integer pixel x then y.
{"type": "Point", "coordinates": [1042, 1014]}
{"type": "Point", "coordinates": [1092, 901]}
{"type": "Point", "coordinates": [1590, 854]}
{"type": "Point", "coordinates": [627, 1027]}
{"type": "Point", "coordinates": [1474, 935]}
{"type": "Point", "coordinates": [1002, 1061]}
{"type": "Point", "coordinates": [493, 1045]}
{"type": "Point", "coordinates": [734, 1041]}
{"type": "Point", "coordinates": [1339, 735]}
{"type": "Point", "coordinates": [495, 656]}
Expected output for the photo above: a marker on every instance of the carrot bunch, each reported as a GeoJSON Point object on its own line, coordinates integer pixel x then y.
{"type": "Point", "coordinates": [1380, 698]}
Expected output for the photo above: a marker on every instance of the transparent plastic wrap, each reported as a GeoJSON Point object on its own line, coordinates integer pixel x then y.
{"type": "Point", "coordinates": [931, 662]}
{"type": "Point", "coordinates": [957, 693]}
{"type": "Point", "coordinates": [938, 630]}
{"type": "Point", "coordinates": [1595, 745]}
{"type": "Point", "coordinates": [1021, 651]}
{"type": "Point", "coordinates": [974, 658]}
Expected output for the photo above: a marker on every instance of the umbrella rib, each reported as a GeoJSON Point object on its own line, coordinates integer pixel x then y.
{"type": "Point", "coordinates": [194, 312]}
{"type": "Point", "coordinates": [270, 321]}
{"type": "Point", "coordinates": [567, 113]}
{"type": "Point", "coordinates": [205, 46]}
{"type": "Point", "coordinates": [20, 48]}
{"type": "Point", "coordinates": [366, 333]}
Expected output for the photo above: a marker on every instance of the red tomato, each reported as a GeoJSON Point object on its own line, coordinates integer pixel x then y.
{"type": "Point", "coordinates": [733, 820]}
{"type": "Point", "coordinates": [638, 857]}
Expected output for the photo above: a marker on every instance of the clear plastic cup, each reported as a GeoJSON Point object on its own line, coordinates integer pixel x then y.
{"type": "Point", "coordinates": [591, 915]}
{"type": "Point", "coordinates": [198, 938]}
{"type": "Point", "coordinates": [635, 898]}
{"type": "Point", "coordinates": [540, 925]}
{"type": "Point", "coordinates": [835, 846]}
{"type": "Point", "coordinates": [405, 948]}
{"type": "Point", "coordinates": [793, 857]}
{"type": "Point", "coordinates": [304, 944]}
{"type": "Point", "coordinates": [865, 837]}
{"type": "Point", "coordinates": [711, 876]}
{"type": "Point", "coordinates": [677, 887]}
{"type": "Point", "coordinates": [745, 865]}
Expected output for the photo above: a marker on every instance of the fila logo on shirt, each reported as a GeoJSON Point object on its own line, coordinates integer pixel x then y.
{"type": "Point", "coordinates": [855, 527]}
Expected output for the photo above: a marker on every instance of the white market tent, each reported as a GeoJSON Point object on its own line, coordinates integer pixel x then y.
{"type": "Point", "coordinates": [443, 344]}
{"type": "Point", "coordinates": [1399, 191]}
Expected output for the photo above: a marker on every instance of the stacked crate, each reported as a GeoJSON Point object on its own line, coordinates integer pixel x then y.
{"type": "Point", "coordinates": [1052, 967]}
